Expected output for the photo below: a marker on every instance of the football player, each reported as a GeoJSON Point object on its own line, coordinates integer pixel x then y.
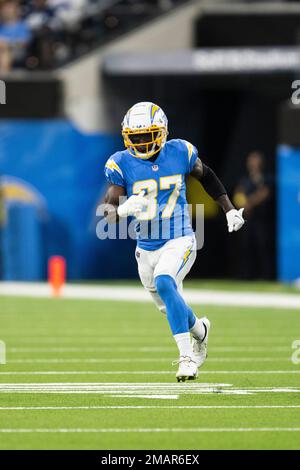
{"type": "Point", "coordinates": [151, 173]}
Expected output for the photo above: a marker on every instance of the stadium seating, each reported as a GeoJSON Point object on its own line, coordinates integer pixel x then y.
{"type": "Point", "coordinates": [61, 30]}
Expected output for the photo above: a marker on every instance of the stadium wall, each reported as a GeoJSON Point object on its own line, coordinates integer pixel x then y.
{"type": "Point", "coordinates": [88, 106]}
{"type": "Point", "coordinates": [52, 181]}
{"type": "Point", "coordinates": [288, 197]}
{"type": "Point", "coordinates": [288, 172]}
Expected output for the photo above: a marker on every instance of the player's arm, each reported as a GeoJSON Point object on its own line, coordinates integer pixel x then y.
{"type": "Point", "coordinates": [212, 185]}
{"type": "Point", "coordinates": [215, 188]}
{"type": "Point", "coordinates": [112, 201]}
{"type": "Point", "coordinates": [133, 206]}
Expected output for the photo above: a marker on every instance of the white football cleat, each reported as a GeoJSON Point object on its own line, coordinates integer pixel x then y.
{"type": "Point", "coordinates": [200, 345]}
{"type": "Point", "coordinates": [187, 369]}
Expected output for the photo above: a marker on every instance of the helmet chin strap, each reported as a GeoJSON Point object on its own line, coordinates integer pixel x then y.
{"type": "Point", "coordinates": [144, 156]}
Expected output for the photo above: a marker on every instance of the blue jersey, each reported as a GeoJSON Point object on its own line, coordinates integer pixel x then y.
{"type": "Point", "coordinates": [168, 216]}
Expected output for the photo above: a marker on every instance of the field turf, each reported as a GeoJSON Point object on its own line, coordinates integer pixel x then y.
{"type": "Point", "coordinates": [86, 374]}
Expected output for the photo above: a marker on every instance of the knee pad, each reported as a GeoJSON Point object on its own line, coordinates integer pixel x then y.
{"type": "Point", "coordinates": [164, 284]}
{"type": "Point", "coordinates": [158, 301]}
{"type": "Point", "coordinates": [162, 309]}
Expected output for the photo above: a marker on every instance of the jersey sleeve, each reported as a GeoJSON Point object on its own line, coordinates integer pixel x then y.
{"type": "Point", "coordinates": [192, 155]}
{"type": "Point", "coordinates": [113, 172]}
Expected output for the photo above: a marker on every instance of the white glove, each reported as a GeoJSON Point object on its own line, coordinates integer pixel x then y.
{"type": "Point", "coordinates": [134, 205]}
{"type": "Point", "coordinates": [235, 220]}
{"type": "Point", "coordinates": [178, 186]}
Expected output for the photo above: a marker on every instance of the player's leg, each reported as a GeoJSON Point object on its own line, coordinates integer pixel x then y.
{"type": "Point", "coordinates": [175, 261]}
{"type": "Point", "coordinates": [199, 327]}
{"type": "Point", "coordinates": [177, 316]}
{"type": "Point", "coordinates": [146, 261]}
{"type": "Point", "coordinates": [173, 256]}
{"type": "Point", "coordinates": [165, 291]}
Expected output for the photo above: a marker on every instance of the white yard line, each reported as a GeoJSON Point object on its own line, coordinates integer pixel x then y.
{"type": "Point", "coordinates": [148, 407]}
{"type": "Point", "coordinates": [139, 341]}
{"type": "Point", "coordinates": [142, 390]}
{"type": "Point", "coordinates": [86, 336]}
{"type": "Point", "coordinates": [146, 349]}
{"type": "Point", "coordinates": [95, 360]}
{"type": "Point", "coordinates": [129, 386]}
{"type": "Point", "coordinates": [138, 294]}
{"type": "Point", "coordinates": [146, 430]}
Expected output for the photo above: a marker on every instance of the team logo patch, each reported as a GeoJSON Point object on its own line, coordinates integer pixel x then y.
{"type": "Point", "coordinates": [154, 167]}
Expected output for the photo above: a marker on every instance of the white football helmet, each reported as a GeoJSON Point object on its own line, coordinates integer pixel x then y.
{"type": "Point", "coordinates": [145, 130]}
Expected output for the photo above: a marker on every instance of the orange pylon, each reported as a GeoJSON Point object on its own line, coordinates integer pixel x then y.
{"type": "Point", "coordinates": [56, 274]}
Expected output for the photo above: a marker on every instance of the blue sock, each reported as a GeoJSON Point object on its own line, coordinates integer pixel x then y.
{"type": "Point", "coordinates": [179, 315]}
{"type": "Point", "coordinates": [191, 317]}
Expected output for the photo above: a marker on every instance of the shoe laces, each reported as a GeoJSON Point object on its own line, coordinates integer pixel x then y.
{"type": "Point", "coordinates": [182, 359]}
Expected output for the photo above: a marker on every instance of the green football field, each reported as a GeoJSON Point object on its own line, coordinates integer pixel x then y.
{"type": "Point", "coordinates": [85, 374]}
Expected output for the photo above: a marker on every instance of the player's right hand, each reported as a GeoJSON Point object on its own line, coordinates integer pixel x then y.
{"type": "Point", "coordinates": [134, 205]}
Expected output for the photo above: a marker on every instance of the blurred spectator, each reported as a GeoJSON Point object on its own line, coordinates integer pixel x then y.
{"type": "Point", "coordinates": [69, 12]}
{"type": "Point", "coordinates": [254, 193]}
{"type": "Point", "coordinates": [50, 32]}
{"type": "Point", "coordinates": [40, 15]}
{"type": "Point", "coordinates": [55, 25]}
{"type": "Point", "coordinates": [44, 24]}
{"type": "Point", "coordinates": [14, 35]}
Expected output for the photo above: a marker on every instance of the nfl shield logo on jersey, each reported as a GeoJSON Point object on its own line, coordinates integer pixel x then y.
{"type": "Point", "coordinates": [154, 167]}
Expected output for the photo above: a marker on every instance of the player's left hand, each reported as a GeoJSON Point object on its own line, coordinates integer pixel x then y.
{"type": "Point", "coordinates": [235, 220]}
